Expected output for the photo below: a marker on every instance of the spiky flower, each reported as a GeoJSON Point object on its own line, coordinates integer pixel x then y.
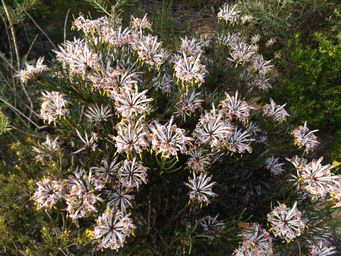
{"type": "Point", "coordinates": [130, 102]}
{"type": "Point", "coordinates": [139, 24]}
{"type": "Point", "coordinates": [120, 199]}
{"type": "Point", "coordinates": [105, 173]}
{"type": "Point", "coordinates": [189, 70]}
{"type": "Point", "coordinates": [317, 179]}
{"type": "Point", "coordinates": [149, 51]}
{"type": "Point", "coordinates": [259, 82]}
{"type": "Point", "coordinates": [246, 19]}
{"type": "Point", "coordinates": [112, 229]}
{"type": "Point", "coordinates": [132, 174]}
{"type": "Point", "coordinates": [255, 38]}
{"type": "Point", "coordinates": [235, 108]}
{"type": "Point", "coordinates": [273, 165]}
{"type": "Point", "coordinates": [116, 37]}
{"type": "Point", "coordinates": [48, 193]}
{"type": "Point", "coordinates": [90, 26]}
{"type": "Point", "coordinates": [53, 106]}
{"type": "Point", "coordinates": [285, 222]}
{"type": "Point", "coordinates": [321, 248]}
{"type": "Point", "coordinates": [230, 14]}
{"type": "Point", "coordinates": [168, 139]}
{"type": "Point", "coordinates": [77, 57]}
{"type": "Point", "coordinates": [188, 103]}
{"type": "Point", "coordinates": [211, 225]}
{"type": "Point", "coordinates": [131, 136]}
{"type": "Point", "coordinates": [199, 160]}
{"type": "Point", "coordinates": [80, 198]}
{"type": "Point", "coordinates": [277, 112]}
{"type": "Point", "coordinates": [241, 53]}
{"type": "Point", "coordinates": [256, 242]}
{"type": "Point", "coordinates": [191, 47]}
{"type": "Point", "coordinates": [240, 141]}
{"type": "Point", "coordinates": [270, 42]}
{"type": "Point", "coordinates": [212, 129]}
{"type": "Point", "coordinates": [46, 150]}
{"type": "Point", "coordinates": [304, 137]}
{"type": "Point", "coordinates": [89, 142]}
{"type": "Point", "coordinates": [201, 188]}
{"type": "Point", "coordinates": [164, 83]}
{"type": "Point", "coordinates": [98, 114]}
{"type": "Point", "coordinates": [259, 66]}
{"type": "Point", "coordinates": [32, 71]}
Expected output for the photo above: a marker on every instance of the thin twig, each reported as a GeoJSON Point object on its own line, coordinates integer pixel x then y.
{"type": "Point", "coordinates": [19, 112]}
{"type": "Point", "coordinates": [65, 24]}
{"type": "Point", "coordinates": [13, 34]}
{"type": "Point", "coordinates": [17, 55]}
{"type": "Point", "coordinates": [11, 59]}
{"type": "Point", "coordinates": [41, 30]}
{"type": "Point", "coordinates": [31, 46]}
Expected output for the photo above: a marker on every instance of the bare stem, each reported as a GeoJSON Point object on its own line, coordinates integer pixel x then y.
{"type": "Point", "coordinates": [14, 38]}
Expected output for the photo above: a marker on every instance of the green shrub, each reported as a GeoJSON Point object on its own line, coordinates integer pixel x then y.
{"type": "Point", "coordinates": [311, 83]}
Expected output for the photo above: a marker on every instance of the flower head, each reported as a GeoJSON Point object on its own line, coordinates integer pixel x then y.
{"type": "Point", "coordinates": [321, 248]}
{"type": "Point", "coordinates": [48, 193]}
{"type": "Point", "coordinates": [188, 103]}
{"type": "Point", "coordinates": [188, 69]}
{"type": "Point", "coordinates": [168, 139]}
{"type": "Point", "coordinates": [150, 51]}
{"type": "Point", "coordinates": [31, 70]}
{"type": "Point", "coordinates": [230, 14]}
{"type": "Point", "coordinates": [140, 24]}
{"type": "Point", "coordinates": [273, 165]}
{"type": "Point", "coordinates": [235, 108]}
{"type": "Point", "coordinates": [199, 160]}
{"type": "Point", "coordinates": [89, 142]}
{"type": "Point", "coordinates": [80, 198]}
{"type": "Point", "coordinates": [277, 112]}
{"type": "Point", "coordinates": [105, 173]}
{"type": "Point", "coordinates": [191, 47]}
{"type": "Point", "coordinates": [112, 229]}
{"type": "Point", "coordinates": [164, 83]}
{"type": "Point", "coordinates": [240, 141]}
{"type": "Point", "coordinates": [256, 242]}
{"type": "Point", "coordinates": [305, 138]}
{"type": "Point", "coordinates": [316, 179]}
{"type": "Point", "coordinates": [77, 57]}
{"type": "Point", "coordinates": [90, 26]}
{"type": "Point", "coordinates": [120, 198]}
{"type": "Point", "coordinates": [241, 52]}
{"type": "Point", "coordinates": [98, 114]}
{"type": "Point", "coordinates": [201, 188]}
{"type": "Point", "coordinates": [46, 150]}
{"type": "Point", "coordinates": [132, 174]}
{"type": "Point", "coordinates": [286, 223]}
{"type": "Point", "coordinates": [211, 225]}
{"type": "Point", "coordinates": [131, 136]}
{"type": "Point", "coordinates": [212, 129]}
{"type": "Point", "coordinates": [130, 102]}
{"type": "Point", "coordinates": [53, 106]}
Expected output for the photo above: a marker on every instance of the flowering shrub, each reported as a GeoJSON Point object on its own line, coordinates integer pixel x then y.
{"type": "Point", "coordinates": [141, 143]}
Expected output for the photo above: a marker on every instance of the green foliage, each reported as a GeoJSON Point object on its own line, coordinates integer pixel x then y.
{"type": "Point", "coordinates": [282, 19]}
{"type": "Point", "coordinates": [17, 11]}
{"type": "Point", "coordinates": [163, 21]}
{"type": "Point", "coordinates": [311, 84]}
{"type": "Point", "coordinates": [4, 124]}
